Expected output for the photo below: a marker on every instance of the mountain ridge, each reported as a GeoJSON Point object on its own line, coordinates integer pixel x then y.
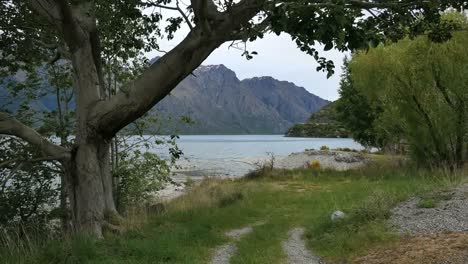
{"type": "Point", "coordinates": [220, 103]}
{"type": "Point", "coordinates": [250, 106]}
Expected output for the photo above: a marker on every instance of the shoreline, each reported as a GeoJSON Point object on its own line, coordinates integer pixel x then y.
{"type": "Point", "coordinates": [326, 159]}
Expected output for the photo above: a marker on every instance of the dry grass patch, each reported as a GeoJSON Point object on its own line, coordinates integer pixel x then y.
{"type": "Point", "coordinates": [430, 249]}
{"type": "Point", "coordinates": [210, 193]}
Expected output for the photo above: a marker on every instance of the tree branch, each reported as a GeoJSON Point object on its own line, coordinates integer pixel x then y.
{"type": "Point", "coordinates": [11, 126]}
{"type": "Point", "coordinates": [48, 9]}
{"type": "Point", "coordinates": [205, 11]}
{"type": "Point", "coordinates": [364, 4]}
{"type": "Point", "coordinates": [176, 8]}
{"type": "Point", "coordinates": [8, 162]}
{"type": "Point", "coordinates": [140, 95]}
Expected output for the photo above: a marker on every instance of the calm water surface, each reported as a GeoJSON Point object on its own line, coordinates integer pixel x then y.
{"type": "Point", "coordinates": [235, 155]}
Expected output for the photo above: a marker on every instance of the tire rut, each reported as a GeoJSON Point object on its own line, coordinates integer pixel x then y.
{"type": "Point", "coordinates": [296, 250]}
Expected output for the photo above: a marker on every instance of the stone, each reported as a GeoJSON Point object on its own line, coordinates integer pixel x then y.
{"type": "Point", "coordinates": [337, 215]}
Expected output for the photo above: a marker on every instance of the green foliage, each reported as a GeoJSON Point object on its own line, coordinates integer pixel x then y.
{"type": "Point", "coordinates": [314, 164]}
{"type": "Point", "coordinates": [141, 173]}
{"type": "Point", "coordinates": [317, 130]}
{"type": "Point", "coordinates": [27, 190]}
{"type": "Point", "coordinates": [427, 203]}
{"type": "Point", "coordinates": [421, 88]}
{"type": "Point", "coordinates": [230, 198]}
{"type": "Point", "coordinates": [430, 200]}
{"type": "Point", "coordinates": [376, 207]}
{"type": "Point", "coordinates": [356, 113]}
{"type": "Point", "coordinates": [324, 148]}
{"type": "Point", "coordinates": [321, 124]}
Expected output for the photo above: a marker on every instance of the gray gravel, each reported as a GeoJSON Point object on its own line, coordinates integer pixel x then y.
{"type": "Point", "coordinates": [448, 215]}
{"type": "Point", "coordinates": [224, 253]}
{"type": "Point", "coordinates": [329, 159]}
{"type": "Point", "coordinates": [296, 250]}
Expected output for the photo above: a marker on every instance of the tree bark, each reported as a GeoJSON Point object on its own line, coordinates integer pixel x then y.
{"type": "Point", "coordinates": [88, 190]}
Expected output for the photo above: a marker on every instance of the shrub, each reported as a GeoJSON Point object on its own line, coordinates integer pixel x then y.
{"type": "Point", "coordinates": [314, 164]}
{"type": "Point", "coordinates": [262, 169]}
{"type": "Point", "coordinates": [324, 148]}
{"type": "Point", "coordinates": [29, 191]}
{"type": "Point", "coordinates": [376, 207]}
{"type": "Point", "coordinates": [140, 176]}
{"type": "Point", "coordinates": [230, 198]}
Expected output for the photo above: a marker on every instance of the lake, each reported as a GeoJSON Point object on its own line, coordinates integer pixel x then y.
{"type": "Point", "coordinates": [235, 155]}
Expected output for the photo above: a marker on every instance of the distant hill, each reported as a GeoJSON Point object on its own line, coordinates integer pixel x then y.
{"type": "Point", "coordinates": [323, 123]}
{"type": "Point", "coordinates": [220, 103]}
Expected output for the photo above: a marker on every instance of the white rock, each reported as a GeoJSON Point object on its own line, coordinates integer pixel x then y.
{"type": "Point", "coordinates": [337, 215]}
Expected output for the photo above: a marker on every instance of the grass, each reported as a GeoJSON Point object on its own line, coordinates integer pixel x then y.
{"type": "Point", "coordinates": [193, 225]}
{"type": "Point", "coordinates": [431, 200]}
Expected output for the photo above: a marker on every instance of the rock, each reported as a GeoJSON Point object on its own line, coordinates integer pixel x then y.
{"type": "Point", "coordinates": [337, 215]}
{"type": "Point", "coordinates": [349, 157]}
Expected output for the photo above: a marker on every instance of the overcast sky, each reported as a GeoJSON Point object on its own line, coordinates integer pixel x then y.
{"type": "Point", "coordinates": [278, 57]}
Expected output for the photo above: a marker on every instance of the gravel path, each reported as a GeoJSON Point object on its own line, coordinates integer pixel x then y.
{"type": "Point", "coordinates": [447, 216]}
{"type": "Point", "coordinates": [296, 250]}
{"type": "Point", "coordinates": [224, 253]}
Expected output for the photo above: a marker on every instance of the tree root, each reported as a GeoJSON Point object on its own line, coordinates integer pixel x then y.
{"type": "Point", "coordinates": [115, 229]}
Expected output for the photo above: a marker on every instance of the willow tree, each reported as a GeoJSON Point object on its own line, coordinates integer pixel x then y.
{"type": "Point", "coordinates": [83, 31]}
{"type": "Point", "coordinates": [421, 88]}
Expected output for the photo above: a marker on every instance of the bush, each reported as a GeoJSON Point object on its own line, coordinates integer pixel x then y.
{"type": "Point", "coordinates": [376, 207]}
{"type": "Point", "coordinates": [230, 198]}
{"type": "Point", "coordinates": [324, 148]}
{"type": "Point", "coordinates": [28, 191]}
{"type": "Point", "coordinates": [314, 164]}
{"type": "Point", "coordinates": [140, 175]}
{"type": "Point", "coordinates": [262, 168]}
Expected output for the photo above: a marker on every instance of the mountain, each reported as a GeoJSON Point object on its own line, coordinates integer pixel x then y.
{"type": "Point", "coordinates": [219, 103]}
{"type": "Point", "coordinates": [321, 124]}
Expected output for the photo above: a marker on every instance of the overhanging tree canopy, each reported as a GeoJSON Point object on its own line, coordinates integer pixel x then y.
{"type": "Point", "coordinates": [85, 32]}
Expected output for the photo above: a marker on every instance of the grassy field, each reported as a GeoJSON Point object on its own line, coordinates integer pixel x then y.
{"type": "Point", "coordinates": [193, 225]}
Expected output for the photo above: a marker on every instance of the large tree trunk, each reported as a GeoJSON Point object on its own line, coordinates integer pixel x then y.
{"type": "Point", "coordinates": [90, 189]}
